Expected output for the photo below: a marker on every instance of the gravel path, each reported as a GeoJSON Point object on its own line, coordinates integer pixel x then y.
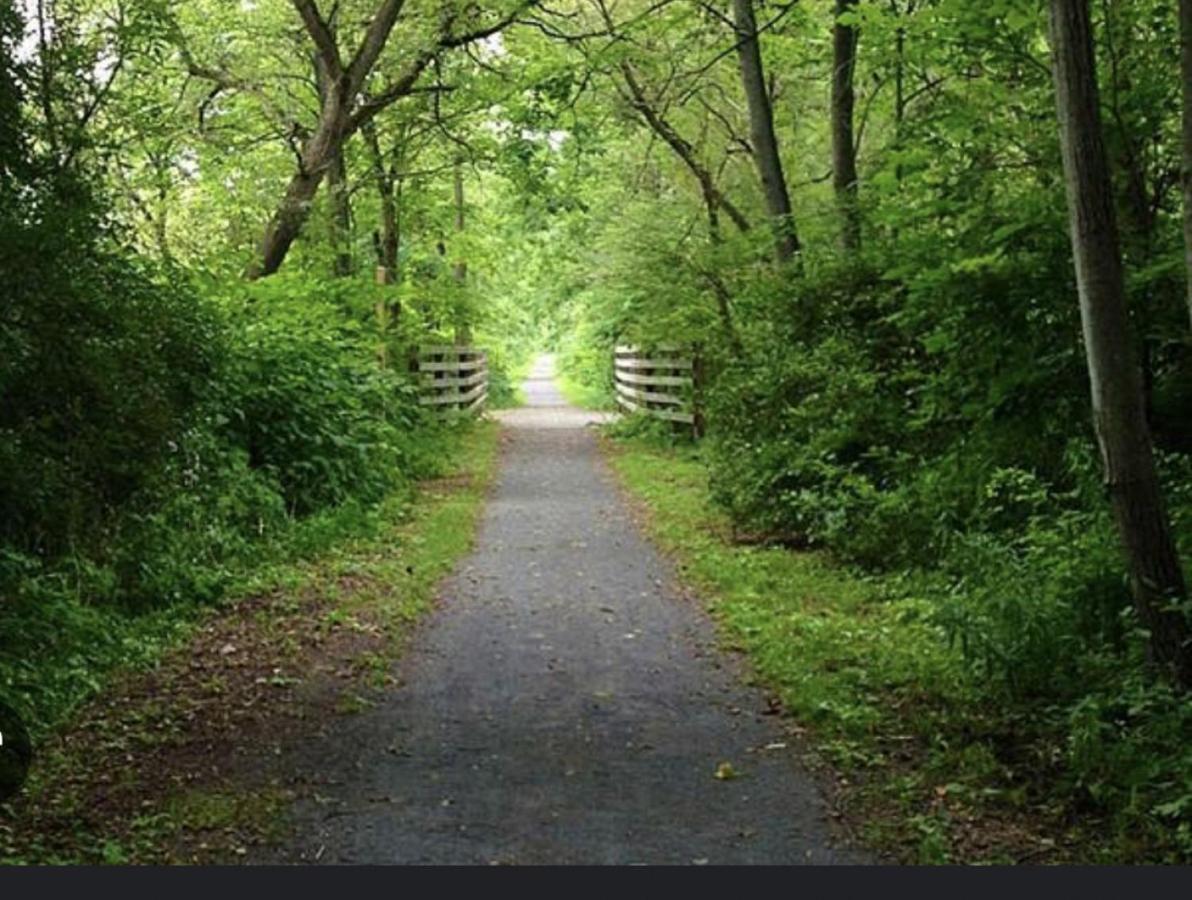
{"type": "Point", "coordinates": [565, 704]}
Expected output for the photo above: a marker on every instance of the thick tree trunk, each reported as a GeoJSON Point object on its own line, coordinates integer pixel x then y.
{"type": "Point", "coordinates": [844, 154]}
{"type": "Point", "coordinates": [286, 224]}
{"type": "Point", "coordinates": [340, 114]}
{"type": "Point", "coordinates": [1114, 377]}
{"type": "Point", "coordinates": [761, 129]}
{"type": "Point", "coordinates": [341, 216]}
{"type": "Point", "coordinates": [1186, 77]}
{"type": "Point", "coordinates": [318, 155]}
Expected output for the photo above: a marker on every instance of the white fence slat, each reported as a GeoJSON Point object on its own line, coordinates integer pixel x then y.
{"type": "Point", "coordinates": [636, 370]}
{"type": "Point", "coordinates": [451, 378]}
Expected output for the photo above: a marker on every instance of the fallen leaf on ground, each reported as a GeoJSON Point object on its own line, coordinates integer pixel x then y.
{"type": "Point", "coordinates": [726, 772]}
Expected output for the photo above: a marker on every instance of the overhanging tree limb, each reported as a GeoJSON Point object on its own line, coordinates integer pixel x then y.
{"type": "Point", "coordinates": [761, 128]}
{"type": "Point", "coordinates": [341, 115]}
{"type": "Point", "coordinates": [636, 97]}
{"type": "Point", "coordinates": [375, 38]}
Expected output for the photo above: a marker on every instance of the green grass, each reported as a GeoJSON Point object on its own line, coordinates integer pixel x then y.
{"type": "Point", "coordinates": [863, 671]}
{"type": "Point", "coordinates": [407, 561]}
{"type": "Point", "coordinates": [377, 579]}
{"type": "Point", "coordinates": [59, 648]}
{"type": "Point", "coordinates": [583, 395]}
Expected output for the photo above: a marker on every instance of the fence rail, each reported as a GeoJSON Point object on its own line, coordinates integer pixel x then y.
{"type": "Point", "coordinates": [452, 378]}
{"type": "Point", "coordinates": [658, 382]}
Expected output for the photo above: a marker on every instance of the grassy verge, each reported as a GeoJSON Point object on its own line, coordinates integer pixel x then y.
{"type": "Point", "coordinates": [505, 389]}
{"type": "Point", "coordinates": [313, 640]}
{"type": "Point", "coordinates": [929, 769]}
{"type": "Point", "coordinates": [57, 646]}
{"type": "Point", "coordinates": [583, 395]}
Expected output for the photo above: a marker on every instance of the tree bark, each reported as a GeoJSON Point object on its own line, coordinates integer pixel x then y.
{"type": "Point", "coordinates": [344, 112]}
{"type": "Point", "coordinates": [714, 200]}
{"type": "Point", "coordinates": [461, 265]}
{"type": "Point", "coordinates": [724, 300]}
{"type": "Point", "coordinates": [463, 328]}
{"type": "Point", "coordinates": [899, 84]}
{"type": "Point", "coordinates": [761, 129]}
{"type": "Point", "coordinates": [286, 223]}
{"type": "Point", "coordinates": [1117, 400]}
{"type": "Point", "coordinates": [844, 153]}
{"type": "Point", "coordinates": [317, 156]}
{"type": "Point", "coordinates": [1186, 173]}
{"type": "Point", "coordinates": [388, 235]}
{"type": "Point", "coordinates": [341, 216]}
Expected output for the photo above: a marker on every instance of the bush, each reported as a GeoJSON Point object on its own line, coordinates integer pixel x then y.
{"type": "Point", "coordinates": [305, 398]}
{"type": "Point", "coordinates": [102, 363]}
{"type": "Point", "coordinates": [196, 524]}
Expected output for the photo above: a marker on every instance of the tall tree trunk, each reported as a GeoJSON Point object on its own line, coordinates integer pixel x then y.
{"type": "Point", "coordinates": [844, 153]}
{"type": "Point", "coordinates": [724, 301]}
{"type": "Point", "coordinates": [761, 129]}
{"type": "Point", "coordinates": [899, 83]}
{"type": "Point", "coordinates": [463, 328]}
{"type": "Point", "coordinates": [461, 265]}
{"type": "Point", "coordinates": [389, 243]}
{"type": "Point", "coordinates": [387, 239]}
{"type": "Point", "coordinates": [1114, 378]}
{"type": "Point", "coordinates": [341, 216]}
{"type": "Point", "coordinates": [1186, 76]}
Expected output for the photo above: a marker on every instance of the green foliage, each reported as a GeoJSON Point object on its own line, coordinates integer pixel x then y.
{"type": "Point", "coordinates": [306, 399]}
{"type": "Point", "coordinates": [102, 361]}
{"type": "Point", "coordinates": [995, 691]}
{"type": "Point", "coordinates": [916, 410]}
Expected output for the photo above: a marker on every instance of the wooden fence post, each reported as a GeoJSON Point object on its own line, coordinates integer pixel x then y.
{"type": "Point", "coordinates": [697, 391]}
{"type": "Point", "coordinates": [452, 378]}
{"type": "Point", "coordinates": [658, 382]}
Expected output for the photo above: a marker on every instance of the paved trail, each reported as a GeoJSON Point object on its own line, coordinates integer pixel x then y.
{"type": "Point", "coordinates": [565, 704]}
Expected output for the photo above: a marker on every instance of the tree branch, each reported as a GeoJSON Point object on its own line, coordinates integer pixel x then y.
{"type": "Point", "coordinates": [321, 34]}
{"type": "Point", "coordinates": [373, 43]}
{"type": "Point", "coordinates": [404, 85]}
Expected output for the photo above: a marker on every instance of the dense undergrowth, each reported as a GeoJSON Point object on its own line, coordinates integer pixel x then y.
{"type": "Point", "coordinates": [916, 409]}
{"type": "Point", "coordinates": [312, 638]}
{"type": "Point", "coordinates": [927, 428]}
{"type": "Point", "coordinates": [945, 756]}
{"type": "Point", "coordinates": [911, 403]}
{"type": "Point", "coordinates": [164, 440]}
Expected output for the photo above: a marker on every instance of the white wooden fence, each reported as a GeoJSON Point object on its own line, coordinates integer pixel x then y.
{"type": "Point", "coordinates": [658, 382]}
{"type": "Point", "coordinates": [452, 378]}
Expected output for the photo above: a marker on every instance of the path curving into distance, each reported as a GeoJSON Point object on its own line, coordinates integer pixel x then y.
{"type": "Point", "coordinates": [564, 704]}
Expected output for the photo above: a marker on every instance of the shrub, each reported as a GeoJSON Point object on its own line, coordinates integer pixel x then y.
{"type": "Point", "coordinates": [102, 363]}
{"type": "Point", "coordinates": [305, 398]}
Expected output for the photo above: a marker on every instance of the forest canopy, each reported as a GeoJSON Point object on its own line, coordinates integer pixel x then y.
{"type": "Point", "coordinates": [932, 256]}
